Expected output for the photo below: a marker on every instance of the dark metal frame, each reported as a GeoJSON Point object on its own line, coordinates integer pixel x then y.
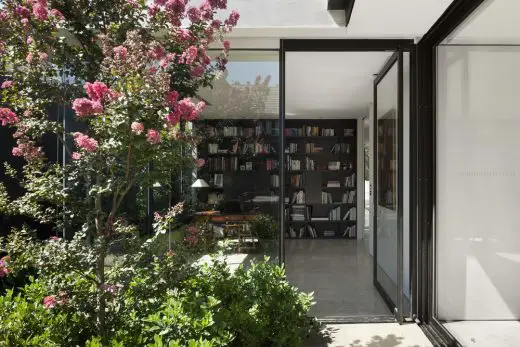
{"type": "Point", "coordinates": [359, 45]}
{"type": "Point", "coordinates": [425, 142]}
{"type": "Point", "coordinates": [395, 60]}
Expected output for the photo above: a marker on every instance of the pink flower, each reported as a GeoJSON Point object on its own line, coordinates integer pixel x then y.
{"type": "Point", "coordinates": [97, 90]}
{"type": "Point", "coordinates": [27, 149]}
{"type": "Point", "coordinates": [187, 110]}
{"type": "Point", "coordinates": [120, 52]}
{"type": "Point", "coordinates": [184, 35]}
{"type": "Point", "coordinates": [3, 15]}
{"type": "Point", "coordinates": [160, 2]}
{"type": "Point", "coordinates": [172, 97]}
{"type": "Point", "coordinates": [227, 45]}
{"type": "Point", "coordinates": [27, 113]}
{"type": "Point", "coordinates": [30, 40]}
{"type": "Point", "coordinates": [137, 128]}
{"type": "Point", "coordinates": [152, 70]}
{"type": "Point", "coordinates": [170, 253]}
{"type": "Point", "coordinates": [173, 118]}
{"type": "Point", "coordinates": [85, 142]}
{"type": "Point", "coordinates": [166, 60]}
{"type": "Point", "coordinates": [43, 56]}
{"type": "Point", "coordinates": [40, 11]}
{"type": "Point", "coordinates": [206, 10]}
{"type": "Point", "coordinates": [197, 71]}
{"type": "Point", "coordinates": [7, 84]}
{"type": "Point", "coordinates": [218, 4]}
{"type": "Point", "coordinates": [54, 238]}
{"type": "Point", "coordinates": [190, 55]}
{"type": "Point", "coordinates": [29, 58]}
{"type": "Point", "coordinates": [49, 301]}
{"type": "Point", "coordinates": [204, 57]}
{"type": "Point", "coordinates": [153, 137]}
{"type": "Point", "coordinates": [200, 163]}
{"type": "Point", "coordinates": [153, 9]}
{"type": "Point", "coordinates": [8, 117]}
{"type": "Point", "coordinates": [175, 6]}
{"type": "Point", "coordinates": [22, 11]}
{"type": "Point", "coordinates": [4, 266]}
{"type": "Point", "coordinates": [157, 216]}
{"type": "Point", "coordinates": [133, 3]}
{"type": "Point", "coordinates": [76, 156]}
{"type": "Point", "coordinates": [216, 24]}
{"type": "Point", "coordinates": [57, 14]}
{"type": "Point", "coordinates": [17, 152]}
{"type": "Point", "coordinates": [195, 15]}
{"type": "Point", "coordinates": [85, 107]}
{"type": "Point", "coordinates": [157, 52]}
{"type": "Point", "coordinates": [233, 18]}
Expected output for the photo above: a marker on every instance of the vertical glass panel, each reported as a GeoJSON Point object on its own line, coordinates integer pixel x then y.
{"type": "Point", "coordinates": [237, 189]}
{"type": "Point", "coordinates": [387, 189]}
{"type": "Point", "coordinates": [477, 197]}
{"type": "Point", "coordinates": [406, 187]}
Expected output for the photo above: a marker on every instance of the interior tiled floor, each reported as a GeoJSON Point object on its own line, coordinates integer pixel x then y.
{"type": "Point", "coordinates": [486, 333]}
{"type": "Point", "coordinates": [370, 335]}
{"type": "Point", "coordinates": [339, 272]}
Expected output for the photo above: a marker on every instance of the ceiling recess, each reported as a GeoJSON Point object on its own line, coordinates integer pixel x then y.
{"type": "Point", "coordinates": [345, 5]}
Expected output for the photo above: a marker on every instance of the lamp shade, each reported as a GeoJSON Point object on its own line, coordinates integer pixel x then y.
{"type": "Point", "coordinates": [200, 183]}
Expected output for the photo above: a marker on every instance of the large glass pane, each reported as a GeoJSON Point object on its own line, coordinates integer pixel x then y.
{"type": "Point", "coordinates": [387, 179]}
{"type": "Point", "coordinates": [477, 197]}
{"type": "Point", "coordinates": [236, 189]}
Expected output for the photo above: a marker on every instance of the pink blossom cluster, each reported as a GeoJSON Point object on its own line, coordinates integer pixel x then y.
{"type": "Point", "coordinates": [51, 301]}
{"type": "Point", "coordinates": [98, 92]}
{"type": "Point", "coordinates": [191, 238]}
{"type": "Point", "coordinates": [86, 107]}
{"type": "Point", "coordinates": [27, 149]}
{"type": "Point", "coordinates": [4, 266]}
{"type": "Point", "coordinates": [137, 128]}
{"type": "Point", "coordinates": [7, 84]}
{"type": "Point", "coordinates": [120, 52]}
{"type": "Point", "coordinates": [7, 116]}
{"type": "Point", "coordinates": [185, 110]}
{"type": "Point", "coordinates": [153, 137]}
{"type": "Point", "coordinates": [200, 162]}
{"type": "Point", "coordinates": [85, 142]}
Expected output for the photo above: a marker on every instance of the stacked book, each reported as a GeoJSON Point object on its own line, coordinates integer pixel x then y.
{"type": "Point", "coordinates": [326, 198]}
{"type": "Point", "coordinates": [271, 128]}
{"type": "Point", "coordinates": [335, 214]}
{"type": "Point", "coordinates": [333, 184]}
{"type": "Point", "coordinates": [223, 163]}
{"type": "Point", "coordinates": [350, 181]}
{"type": "Point", "coordinates": [213, 148]}
{"type": "Point", "coordinates": [348, 132]}
{"type": "Point", "coordinates": [275, 181]}
{"type": "Point", "coordinates": [292, 148]}
{"type": "Point", "coordinates": [341, 148]}
{"type": "Point", "coordinates": [350, 215]}
{"type": "Point", "coordinates": [298, 213]}
{"type": "Point", "coordinates": [309, 164]}
{"type": "Point", "coordinates": [349, 197]}
{"type": "Point", "coordinates": [298, 198]}
{"type": "Point", "coordinates": [293, 164]}
{"type": "Point", "coordinates": [350, 231]}
{"type": "Point", "coordinates": [328, 132]}
{"type": "Point", "coordinates": [312, 148]}
{"type": "Point", "coordinates": [271, 164]}
{"type": "Point", "coordinates": [334, 165]}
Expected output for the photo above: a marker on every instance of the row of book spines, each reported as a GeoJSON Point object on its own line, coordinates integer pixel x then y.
{"type": "Point", "coordinates": [309, 131]}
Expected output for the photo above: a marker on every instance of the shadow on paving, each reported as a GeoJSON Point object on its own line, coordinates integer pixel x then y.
{"type": "Point", "coordinates": [325, 339]}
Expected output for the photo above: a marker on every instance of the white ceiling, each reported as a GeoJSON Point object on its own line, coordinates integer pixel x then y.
{"type": "Point", "coordinates": [331, 84]}
{"type": "Point", "coordinates": [494, 22]}
{"type": "Point", "coordinates": [275, 19]}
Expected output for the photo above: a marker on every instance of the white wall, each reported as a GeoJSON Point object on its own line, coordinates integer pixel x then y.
{"type": "Point", "coordinates": [478, 186]}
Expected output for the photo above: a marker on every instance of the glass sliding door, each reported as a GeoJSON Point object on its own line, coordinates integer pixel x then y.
{"type": "Point", "coordinates": [388, 204]}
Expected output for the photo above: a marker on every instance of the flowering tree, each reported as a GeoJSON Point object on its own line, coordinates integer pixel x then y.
{"type": "Point", "coordinates": [129, 71]}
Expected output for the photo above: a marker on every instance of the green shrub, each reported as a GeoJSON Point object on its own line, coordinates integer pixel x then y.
{"type": "Point", "coordinates": [264, 226]}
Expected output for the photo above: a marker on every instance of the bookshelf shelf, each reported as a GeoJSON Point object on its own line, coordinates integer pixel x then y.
{"type": "Point", "coordinates": [244, 157]}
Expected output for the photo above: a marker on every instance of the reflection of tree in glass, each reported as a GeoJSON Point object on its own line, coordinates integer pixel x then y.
{"type": "Point", "coordinates": [238, 100]}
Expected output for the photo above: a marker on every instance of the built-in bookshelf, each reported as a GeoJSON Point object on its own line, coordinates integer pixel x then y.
{"type": "Point", "coordinates": [242, 164]}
